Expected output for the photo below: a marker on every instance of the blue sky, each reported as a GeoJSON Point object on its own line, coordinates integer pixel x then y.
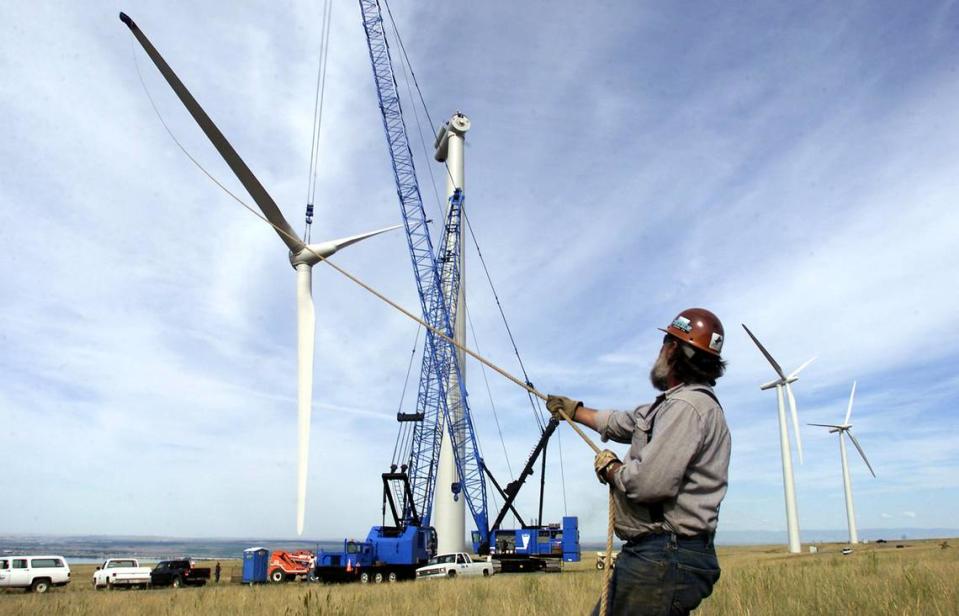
{"type": "Point", "coordinates": [790, 167]}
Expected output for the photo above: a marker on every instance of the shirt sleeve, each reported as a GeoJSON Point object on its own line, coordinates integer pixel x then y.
{"type": "Point", "coordinates": [656, 473]}
{"type": "Point", "coordinates": [615, 425]}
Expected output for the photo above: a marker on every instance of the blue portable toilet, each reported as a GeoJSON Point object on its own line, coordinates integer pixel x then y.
{"type": "Point", "coordinates": [255, 561]}
{"type": "Point", "coordinates": [571, 539]}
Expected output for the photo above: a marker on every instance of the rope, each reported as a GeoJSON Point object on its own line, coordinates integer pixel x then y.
{"type": "Point", "coordinates": [608, 558]}
{"type": "Point", "coordinates": [489, 364]}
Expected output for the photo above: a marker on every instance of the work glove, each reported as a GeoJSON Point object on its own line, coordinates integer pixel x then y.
{"type": "Point", "coordinates": [556, 403]}
{"type": "Point", "coordinates": [602, 463]}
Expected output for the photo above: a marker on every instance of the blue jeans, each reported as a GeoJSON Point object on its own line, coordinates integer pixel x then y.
{"type": "Point", "coordinates": [660, 575]}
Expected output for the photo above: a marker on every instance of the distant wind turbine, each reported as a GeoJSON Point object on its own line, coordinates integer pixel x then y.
{"type": "Point", "coordinates": [302, 257]}
{"type": "Point", "coordinates": [846, 428]}
{"type": "Point", "coordinates": [783, 383]}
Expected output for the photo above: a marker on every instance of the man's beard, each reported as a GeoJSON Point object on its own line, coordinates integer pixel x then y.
{"type": "Point", "coordinates": [659, 373]}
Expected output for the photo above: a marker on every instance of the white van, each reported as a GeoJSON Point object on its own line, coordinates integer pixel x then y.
{"type": "Point", "coordinates": [34, 573]}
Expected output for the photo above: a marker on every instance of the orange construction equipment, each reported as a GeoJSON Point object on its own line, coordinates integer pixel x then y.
{"type": "Point", "coordinates": [287, 566]}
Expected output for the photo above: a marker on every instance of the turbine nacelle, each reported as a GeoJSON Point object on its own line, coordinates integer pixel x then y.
{"type": "Point", "coordinates": [790, 379]}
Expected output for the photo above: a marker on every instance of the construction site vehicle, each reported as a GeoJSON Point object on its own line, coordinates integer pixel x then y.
{"type": "Point", "coordinates": [177, 573]}
{"type": "Point", "coordinates": [33, 573]}
{"type": "Point", "coordinates": [390, 553]}
{"type": "Point", "coordinates": [530, 547]}
{"type": "Point", "coordinates": [116, 572]}
{"type": "Point", "coordinates": [456, 564]}
{"type": "Point", "coordinates": [288, 566]}
{"type": "Point", "coordinates": [536, 548]}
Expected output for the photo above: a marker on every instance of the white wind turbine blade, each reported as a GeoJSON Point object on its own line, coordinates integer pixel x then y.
{"type": "Point", "coordinates": [220, 142]}
{"type": "Point", "coordinates": [313, 253]}
{"type": "Point", "coordinates": [852, 395]}
{"type": "Point", "coordinates": [343, 242]}
{"type": "Point", "coordinates": [796, 372]}
{"type": "Point", "coordinates": [795, 416]}
{"type": "Point", "coordinates": [763, 350]}
{"type": "Point", "coordinates": [306, 330]}
{"type": "Point", "coordinates": [861, 452]}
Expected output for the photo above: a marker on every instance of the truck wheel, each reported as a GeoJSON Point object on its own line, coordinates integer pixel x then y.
{"type": "Point", "coordinates": [451, 573]}
{"type": "Point", "coordinates": [364, 578]}
{"type": "Point", "coordinates": [600, 565]}
{"type": "Point", "coordinates": [392, 577]}
{"type": "Point", "coordinates": [485, 572]}
{"type": "Point", "coordinates": [95, 587]}
{"type": "Point", "coordinates": [40, 586]}
{"type": "Point", "coordinates": [277, 576]}
{"type": "Point", "coordinates": [177, 582]}
{"type": "Point", "coordinates": [378, 577]}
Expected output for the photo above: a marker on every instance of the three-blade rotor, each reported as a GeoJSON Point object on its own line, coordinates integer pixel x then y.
{"type": "Point", "coordinates": [846, 428]}
{"type": "Point", "coordinates": [302, 257]}
{"type": "Point", "coordinates": [785, 382]}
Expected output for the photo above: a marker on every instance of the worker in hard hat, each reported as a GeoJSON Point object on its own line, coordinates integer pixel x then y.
{"type": "Point", "coordinates": [668, 488]}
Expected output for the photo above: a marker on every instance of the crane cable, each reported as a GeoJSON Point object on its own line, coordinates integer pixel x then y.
{"type": "Point", "coordinates": [406, 382]}
{"type": "Point", "coordinates": [408, 73]}
{"type": "Point", "coordinates": [321, 259]}
{"type": "Point", "coordinates": [489, 279]}
{"type": "Point", "coordinates": [318, 98]}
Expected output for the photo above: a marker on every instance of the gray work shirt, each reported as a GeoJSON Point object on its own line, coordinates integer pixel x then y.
{"type": "Point", "coordinates": [676, 472]}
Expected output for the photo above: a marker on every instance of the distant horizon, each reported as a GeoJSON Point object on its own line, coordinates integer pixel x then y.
{"type": "Point", "coordinates": [723, 537]}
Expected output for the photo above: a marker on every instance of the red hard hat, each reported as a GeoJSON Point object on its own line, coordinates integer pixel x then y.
{"type": "Point", "coordinates": [699, 328]}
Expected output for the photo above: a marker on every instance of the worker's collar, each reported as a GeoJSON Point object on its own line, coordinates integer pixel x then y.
{"type": "Point", "coordinates": [672, 390]}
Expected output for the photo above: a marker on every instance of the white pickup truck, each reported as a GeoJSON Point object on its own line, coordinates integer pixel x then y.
{"type": "Point", "coordinates": [453, 565]}
{"type": "Point", "coordinates": [121, 572]}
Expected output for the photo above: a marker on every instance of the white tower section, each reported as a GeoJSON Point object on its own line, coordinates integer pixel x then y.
{"type": "Point", "coordinates": [792, 513]}
{"type": "Point", "coordinates": [449, 512]}
{"type": "Point", "coordinates": [784, 390]}
{"type": "Point", "coordinates": [847, 486]}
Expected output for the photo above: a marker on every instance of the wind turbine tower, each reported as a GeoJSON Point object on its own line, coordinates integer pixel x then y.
{"type": "Point", "coordinates": [846, 428]}
{"type": "Point", "coordinates": [781, 384]}
{"type": "Point", "coordinates": [450, 511]}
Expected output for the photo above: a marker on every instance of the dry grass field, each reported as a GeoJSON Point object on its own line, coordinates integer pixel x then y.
{"type": "Point", "coordinates": [920, 578]}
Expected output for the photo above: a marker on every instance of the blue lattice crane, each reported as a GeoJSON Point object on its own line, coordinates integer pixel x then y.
{"type": "Point", "coordinates": [437, 282]}
{"type": "Point", "coordinates": [393, 551]}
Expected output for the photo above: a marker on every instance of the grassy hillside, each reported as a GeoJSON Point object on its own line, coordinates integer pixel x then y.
{"type": "Point", "coordinates": [921, 578]}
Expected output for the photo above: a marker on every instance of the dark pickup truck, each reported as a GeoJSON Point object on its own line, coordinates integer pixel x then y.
{"type": "Point", "coordinates": [177, 573]}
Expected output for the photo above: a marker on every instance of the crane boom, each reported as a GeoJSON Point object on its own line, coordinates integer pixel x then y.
{"type": "Point", "coordinates": [441, 366]}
